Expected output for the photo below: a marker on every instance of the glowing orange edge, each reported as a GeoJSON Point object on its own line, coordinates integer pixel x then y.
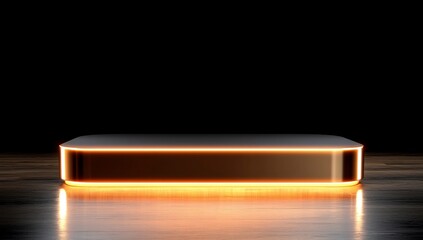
{"type": "Point", "coordinates": [211, 149]}
{"type": "Point", "coordinates": [210, 184]}
{"type": "Point", "coordinates": [205, 184]}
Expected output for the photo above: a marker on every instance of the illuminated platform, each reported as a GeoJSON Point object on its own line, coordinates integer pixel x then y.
{"type": "Point", "coordinates": [211, 160]}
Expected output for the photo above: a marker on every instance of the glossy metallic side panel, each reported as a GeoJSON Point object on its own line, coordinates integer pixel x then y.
{"type": "Point", "coordinates": [277, 166]}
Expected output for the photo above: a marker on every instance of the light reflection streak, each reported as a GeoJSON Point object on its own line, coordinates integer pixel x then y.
{"type": "Point", "coordinates": [359, 213]}
{"type": "Point", "coordinates": [62, 214]}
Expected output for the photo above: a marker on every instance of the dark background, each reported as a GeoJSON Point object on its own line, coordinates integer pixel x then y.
{"type": "Point", "coordinates": [379, 118]}
{"type": "Point", "coordinates": [354, 76]}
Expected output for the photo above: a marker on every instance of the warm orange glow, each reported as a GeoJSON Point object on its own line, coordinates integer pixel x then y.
{"type": "Point", "coordinates": [359, 161]}
{"type": "Point", "coordinates": [62, 163]}
{"type": "Point", "coordinates": [210, 184]}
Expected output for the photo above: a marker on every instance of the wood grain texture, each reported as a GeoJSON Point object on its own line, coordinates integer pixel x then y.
{"type": "Point", "coordinates": [35, 205]}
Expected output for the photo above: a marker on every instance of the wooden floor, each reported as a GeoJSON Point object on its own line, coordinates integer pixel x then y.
{"type": "Point", "coordinates": [35, 205]}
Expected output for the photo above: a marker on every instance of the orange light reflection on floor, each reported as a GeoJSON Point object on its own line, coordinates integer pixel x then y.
{"type": "Point", "coordinates": [229, 192]}
{"type": "Point", "coordinates": [211, 212]}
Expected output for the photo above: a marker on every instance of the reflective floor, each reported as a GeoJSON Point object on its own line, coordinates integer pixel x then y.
{"type": "Point", "coordinates": [34, 204]}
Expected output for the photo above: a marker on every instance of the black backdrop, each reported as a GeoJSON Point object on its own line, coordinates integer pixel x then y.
{"type": "Point", "coordinates": [354, 79]}
{"type": "Point", "coordinates": [384, 119]}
